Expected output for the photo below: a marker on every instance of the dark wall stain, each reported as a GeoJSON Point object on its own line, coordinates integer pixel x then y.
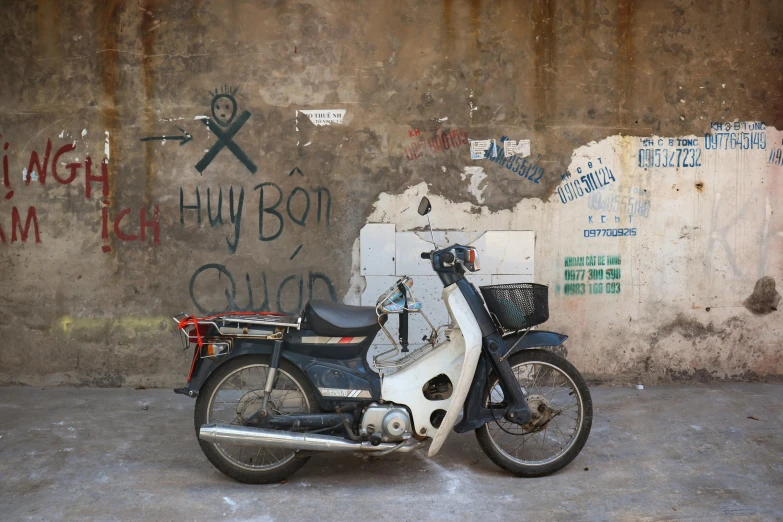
{"type": "Point", "coordinates": [147, 36]}
{"type": "Point", "coordinates": [109, 14]}
{"type": "Point", "coordinates": [447, 24]}
{"type": "Point", "coordinates": [764, 299]}
{"type": "Point", "coordinates": [475, 20]}
{"type": "Point", "coordinates": [692, 329]}
{"type": "Point", "coordinates": [545, 55]}
{"type": "Point", "coordinates": [625, 54]}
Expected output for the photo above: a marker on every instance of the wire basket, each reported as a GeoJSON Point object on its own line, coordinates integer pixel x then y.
{"type": "Point", "coordinates": [517, 306]}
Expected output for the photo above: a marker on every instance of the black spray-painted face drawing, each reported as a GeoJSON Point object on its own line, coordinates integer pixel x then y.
{"type": "Point", "coordinates": [224, 108]}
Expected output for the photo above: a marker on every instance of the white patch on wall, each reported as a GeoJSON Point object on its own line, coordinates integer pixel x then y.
{"type": "Point", "coordinates": [386, 255]}
{"type": "Point", "coordinates": [106, 146]}
{"type": "Point", "coordinates": [477, 175]}
{"type": "Point", "coordinates": [84, 133]}
{"type": "Point", "coordinates": [324, 117]}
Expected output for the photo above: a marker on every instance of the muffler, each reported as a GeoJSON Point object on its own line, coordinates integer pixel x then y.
{"type": "Point", "coordinates": [244, 436]}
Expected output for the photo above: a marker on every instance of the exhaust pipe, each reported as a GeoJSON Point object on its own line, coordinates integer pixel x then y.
{"type": "Point", "coordinates": [243, 436]}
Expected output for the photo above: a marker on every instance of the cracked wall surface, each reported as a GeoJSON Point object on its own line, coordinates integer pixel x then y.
{"type": "Point", "coordinates": [224, 155]}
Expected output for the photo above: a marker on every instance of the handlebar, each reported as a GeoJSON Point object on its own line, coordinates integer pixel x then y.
{"type": "Point", "coordinates": [425, 255]}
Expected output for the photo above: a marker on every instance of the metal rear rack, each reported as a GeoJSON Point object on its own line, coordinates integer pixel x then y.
{"type": "Point", "coordinates": [250, 326]}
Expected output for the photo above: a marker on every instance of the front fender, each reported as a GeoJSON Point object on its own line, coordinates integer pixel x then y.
{"type": "Point", "coordinates": [475, 415]}
{"type": "Point", "coordinates": [532, 339]}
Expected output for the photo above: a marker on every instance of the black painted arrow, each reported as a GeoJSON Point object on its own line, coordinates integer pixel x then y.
{"type": "Point", "coordinates": [183, 139]}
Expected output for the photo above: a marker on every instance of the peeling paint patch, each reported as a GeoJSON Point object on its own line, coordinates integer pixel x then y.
{"type": "Point", "coordinates": [477, 175]}
{"type": "Point", "coordinates": [106, 146]}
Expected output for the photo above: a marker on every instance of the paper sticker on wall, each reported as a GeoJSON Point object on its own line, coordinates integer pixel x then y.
{"type": "Point", "coordinates": [324, 117]}
{"type": "Point", "coordinates": [519, 148]}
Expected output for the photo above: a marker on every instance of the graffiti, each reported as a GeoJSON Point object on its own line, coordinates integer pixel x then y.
{"type": "Point", "coordinates": [594, 180]}
{"type": "Point", "coordinates": [620, 204]}
{"type": "Point", "coordinates": [511, 155]}
{"type": "Point", "coordinates": [224, 109]}
{"type": "Point", "coordinates": [144, 224]}
{"type": "Point", "coordinates": [775, 157]}
{"type": "Point", "coordinates": [722, 223]}
{"type": "Point", "coordinates": [741, 135]}
{"type": "Point", "coordinates": [182, 139]}
{"type": "Point", "coordinates": [440, 142]}
{"type": "Point", "coordinates": [272, 215]}
{"type": "Point", "coordinates": [16, 224]}
{"type": "Point", "coordinates": [39, 168]}
{"type": "Point", "coordinates": [670, 157]}
{"type": "Point", "coordinates": [292, 285]}
{"type": "Point", "coordinates": [324, 202]}
{"type": "Point", "coordinates": [594, 279]}
{"type": "Point", "coordinates": [610, 232]}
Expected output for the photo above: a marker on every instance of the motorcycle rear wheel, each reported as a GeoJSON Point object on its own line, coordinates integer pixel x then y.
{"type": "Point", "coordinates": [231, 394]}
{"type": "Point", "coordinates": [553, 384]}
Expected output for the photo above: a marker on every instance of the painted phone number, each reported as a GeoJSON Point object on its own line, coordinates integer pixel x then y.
{"type": "Point", "coordinates": [610, 232]}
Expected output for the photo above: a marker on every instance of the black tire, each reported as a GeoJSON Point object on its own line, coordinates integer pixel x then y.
{"type": "Point", "coordinates": [508, 463]}
{"type": "Point", "coordinates": [201, 417]}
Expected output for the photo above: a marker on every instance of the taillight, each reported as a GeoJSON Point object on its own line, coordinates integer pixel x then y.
{"type": "Point", "coordinates": [199, 331]}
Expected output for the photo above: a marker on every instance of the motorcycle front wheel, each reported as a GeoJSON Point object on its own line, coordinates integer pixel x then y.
{"type": "Point", "coordinates": [562, 410]}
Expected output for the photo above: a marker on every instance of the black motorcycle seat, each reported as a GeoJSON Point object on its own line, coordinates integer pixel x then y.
{"type": "Point", "coordinates": [329, 318]}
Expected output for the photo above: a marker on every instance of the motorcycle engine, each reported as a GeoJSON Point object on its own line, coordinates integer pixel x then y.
{"type": "Point", "coordinates": [385, 423]}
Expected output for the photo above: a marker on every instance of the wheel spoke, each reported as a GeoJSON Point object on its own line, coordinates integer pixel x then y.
{"type": "Point", "coordinates": [246, 386]}
{"type": "Point", "coordinates": [550, 384]}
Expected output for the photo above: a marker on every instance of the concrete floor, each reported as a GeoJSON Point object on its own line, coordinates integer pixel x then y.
{"type": "Point", "coordinates": [689, 453]}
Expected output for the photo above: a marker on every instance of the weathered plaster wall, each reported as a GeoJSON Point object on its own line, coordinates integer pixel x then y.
{"type": "Point", "coordinates": [153, 227]}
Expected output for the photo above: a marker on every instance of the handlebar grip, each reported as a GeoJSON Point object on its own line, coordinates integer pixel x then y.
{"type": "Point", "coordinates": [425, 255]}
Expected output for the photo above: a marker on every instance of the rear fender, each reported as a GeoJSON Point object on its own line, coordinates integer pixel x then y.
{"type": "Point", "coordinates": [475, 415]}
{"type": "Point", "coordinates": [204, 367]}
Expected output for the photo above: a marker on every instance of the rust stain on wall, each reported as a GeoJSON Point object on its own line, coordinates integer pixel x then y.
{"type": "Point", "coordinates": [109, 14]}
{"type": "Point", "coordinates": [147, 36]}
{"type": "Point", "coordinates": [475, 20]}
{"type": "Point", "coordinates": [625, 55]}
{"type": "Point", "coordinates": [588, 7]}
{"type": "Point", "coordinates": [48, 28]}
{"type": "Point", "coordinates": [449, 33]}
{"type": "Point", "coordinates": [545, 47]}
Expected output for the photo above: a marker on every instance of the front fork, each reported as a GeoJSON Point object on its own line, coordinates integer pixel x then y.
{"type": "Point", "coordinates": [495, 350]}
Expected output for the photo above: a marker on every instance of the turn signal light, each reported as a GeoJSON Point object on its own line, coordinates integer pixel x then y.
{"type": "Point", "coordinates": [213, 349]}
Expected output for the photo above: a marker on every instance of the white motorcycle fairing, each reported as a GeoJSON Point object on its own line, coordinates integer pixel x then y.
{"type": "Point", "coordinates": [456, 358]}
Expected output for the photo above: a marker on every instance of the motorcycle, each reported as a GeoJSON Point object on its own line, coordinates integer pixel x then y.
{"type": "Point", "coordinates": [272, 390]}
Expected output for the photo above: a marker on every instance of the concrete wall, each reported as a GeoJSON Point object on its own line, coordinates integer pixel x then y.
{"type": "Point", "coordinates": [108, 229]}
